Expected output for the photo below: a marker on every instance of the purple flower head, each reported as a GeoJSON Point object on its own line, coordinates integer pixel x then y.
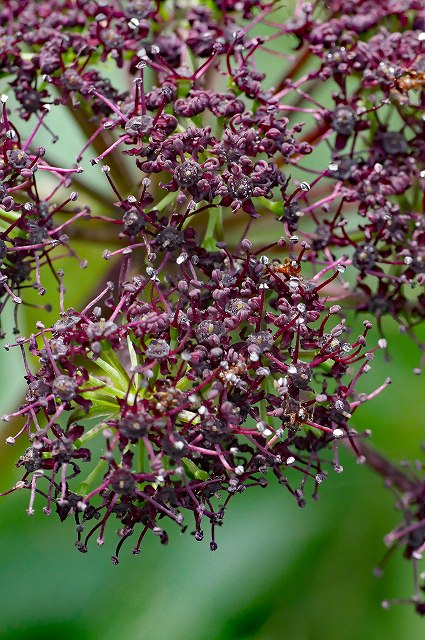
{"type": "Point", "coordinates": [190, 393]}
{"type": "Point", "coordinates": [230, 180]}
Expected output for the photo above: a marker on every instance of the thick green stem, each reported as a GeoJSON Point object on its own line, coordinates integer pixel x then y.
{"type": "Point", "coordinates": [89, 435]}
{"type": "Point", "coordinates": [84, 488]}
{"type": "Point", "coordinates": [166, 200]}
{"type": "Point", "coordinates": [214, 230]}
{"type": "Point", "coordinates": [141, 450]}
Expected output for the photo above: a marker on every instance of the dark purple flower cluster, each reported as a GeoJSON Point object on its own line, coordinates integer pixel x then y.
{"type": "Point", "coordinates": [203, 385]}
{"type": "Point", "coordinates": [210, 145]}
{"type": "Point", "coordinates": [223, 360]}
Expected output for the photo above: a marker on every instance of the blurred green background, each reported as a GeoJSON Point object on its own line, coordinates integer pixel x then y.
{"type": "Point", "coordinates": [279, 571]}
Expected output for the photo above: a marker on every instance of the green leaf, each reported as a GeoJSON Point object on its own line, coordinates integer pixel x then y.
{"type": "Point", "coordinates": [194, 471]}
{"type": "Point", "coordinates": [110, 363]}
{"type": "Point", "coordinates": [134, 360]}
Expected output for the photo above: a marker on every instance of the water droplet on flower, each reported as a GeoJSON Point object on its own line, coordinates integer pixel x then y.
{"type": "Point", "coordinates": [293, 283]}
